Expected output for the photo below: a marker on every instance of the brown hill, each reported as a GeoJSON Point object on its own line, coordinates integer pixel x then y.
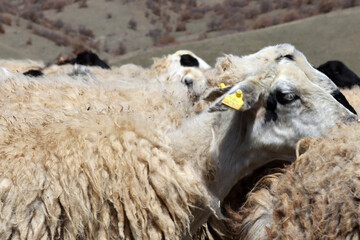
{"type": "Point", "coordinates": [321, 38]}
{"type": "Point", "coordinates": [119, 30]}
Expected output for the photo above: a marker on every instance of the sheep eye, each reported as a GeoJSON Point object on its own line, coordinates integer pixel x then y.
{"type": "Point", "coordinates": [285, 98]}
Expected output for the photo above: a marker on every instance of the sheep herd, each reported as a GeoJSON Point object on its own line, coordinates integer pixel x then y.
{"type": "Point", "coordinates": [93, 152]}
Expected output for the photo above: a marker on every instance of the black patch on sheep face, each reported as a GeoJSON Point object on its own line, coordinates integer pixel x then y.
{"type": "Point", "coordinates": [272, 101]}
{"type": "Point", "coordinates": [340, 74]}
{"type": "Point", "coordinates": [271, 104]}
{"type": "Point", "coordinates": [288, 56]}
{"type": "Point", "coordinates": [33, 73]}
{"type": "Point", "coordinates": [341, 99]}
{"type": "Point", "coordinates": [187, 60]}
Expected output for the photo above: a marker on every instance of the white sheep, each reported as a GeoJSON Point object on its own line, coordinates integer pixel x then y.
{"type": "Point", "coordinates": [102, 94]}
{"type": "Point", "coordinates": [182, 66]}
{"type": "Point", "coordinates": [107, 172]}
{"type": "Point", "coordinates": [229, 66]}
{"type": "Point", "coordinates": [317, 197]}
{"type": "Point", "coordinates": [191, 77]}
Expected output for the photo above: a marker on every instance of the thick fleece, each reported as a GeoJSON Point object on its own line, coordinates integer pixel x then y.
{"type": "Point", "coordinates": [89, 160]}
{"type": "Point", "coordinates": [317, 197]}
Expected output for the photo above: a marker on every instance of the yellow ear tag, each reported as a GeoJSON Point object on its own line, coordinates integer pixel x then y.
{"type": "Point", "coordinates": [234, 100]}
{"type": "Point", "coordinates": [222, 85]}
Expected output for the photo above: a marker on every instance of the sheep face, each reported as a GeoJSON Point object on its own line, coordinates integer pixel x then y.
{"type": "Point", "coordinates": [280, 106]}
{"type": "Point", "coordinates": [294, 108]}
{"type": "Point", "coordinates": [194, 79]}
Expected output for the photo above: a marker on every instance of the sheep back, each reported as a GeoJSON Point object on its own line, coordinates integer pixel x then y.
{"type": "Point", "coordinates": [101, 171]}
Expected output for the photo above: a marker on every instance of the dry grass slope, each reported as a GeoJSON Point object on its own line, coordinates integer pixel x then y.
{"type": "Point", "coordinates": [321, 38]}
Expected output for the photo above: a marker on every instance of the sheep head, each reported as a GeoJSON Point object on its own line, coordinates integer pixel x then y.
{"type": "Point", "coordinates": [194, 79]}
{"type": "Point", "coordinates": [280, 106]}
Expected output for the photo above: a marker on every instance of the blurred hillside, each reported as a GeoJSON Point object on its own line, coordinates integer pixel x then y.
{"type": "Point", "coordinates": [120, 29]}
{"type": "Point", "coordinates": [321, 38]}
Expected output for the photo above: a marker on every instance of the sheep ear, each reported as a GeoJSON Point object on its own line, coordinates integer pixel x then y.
{"type": "Point", "coordinates": [216, 93]}
{"type": "Point", "coordinates": [241, 97]}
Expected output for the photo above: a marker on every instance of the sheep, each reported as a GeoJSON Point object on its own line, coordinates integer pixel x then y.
{"type": "Point", "coordinates": [316, 197]}
{"type": "Point", "coordinates": [345, 79]}
{"type": "Point", "coordinates": [244, 66]}
{"type": "Point", "coordinates": [178, 94]}
{"type": "Point", "coordinates": [247, 65]}
{"type": "Point", "coordinates": [87, 58]}
{"type": "Point", "coordinates": [78, 93]}
{"type": "Point", "coordinates": [340, 74]}
{"type": "Point", "coordinates": [111, 173]}
{"type": "Point", "coordinates": [352, 94]}
{"type": "Point", "coordinates": [192, 78]}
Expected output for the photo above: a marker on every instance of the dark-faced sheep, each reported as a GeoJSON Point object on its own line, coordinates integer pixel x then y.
{"type": "Point", "coordinates": [345, 79]}
{"type": "Point", "coordinates": [340, 74]}
{"type": "Point", "coordinates": [86, 58]}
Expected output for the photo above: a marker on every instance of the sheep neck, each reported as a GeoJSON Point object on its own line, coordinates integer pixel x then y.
{"type": "Point", "coordinates": [231, 151]}
{"type": "Point", "coordinates": [237, 153]}
{"type": "Point", "coordinates": [217, 145]}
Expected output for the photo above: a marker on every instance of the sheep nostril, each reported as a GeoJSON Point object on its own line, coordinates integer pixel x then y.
{"type": "Point", "coordinates": [188, 82]}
